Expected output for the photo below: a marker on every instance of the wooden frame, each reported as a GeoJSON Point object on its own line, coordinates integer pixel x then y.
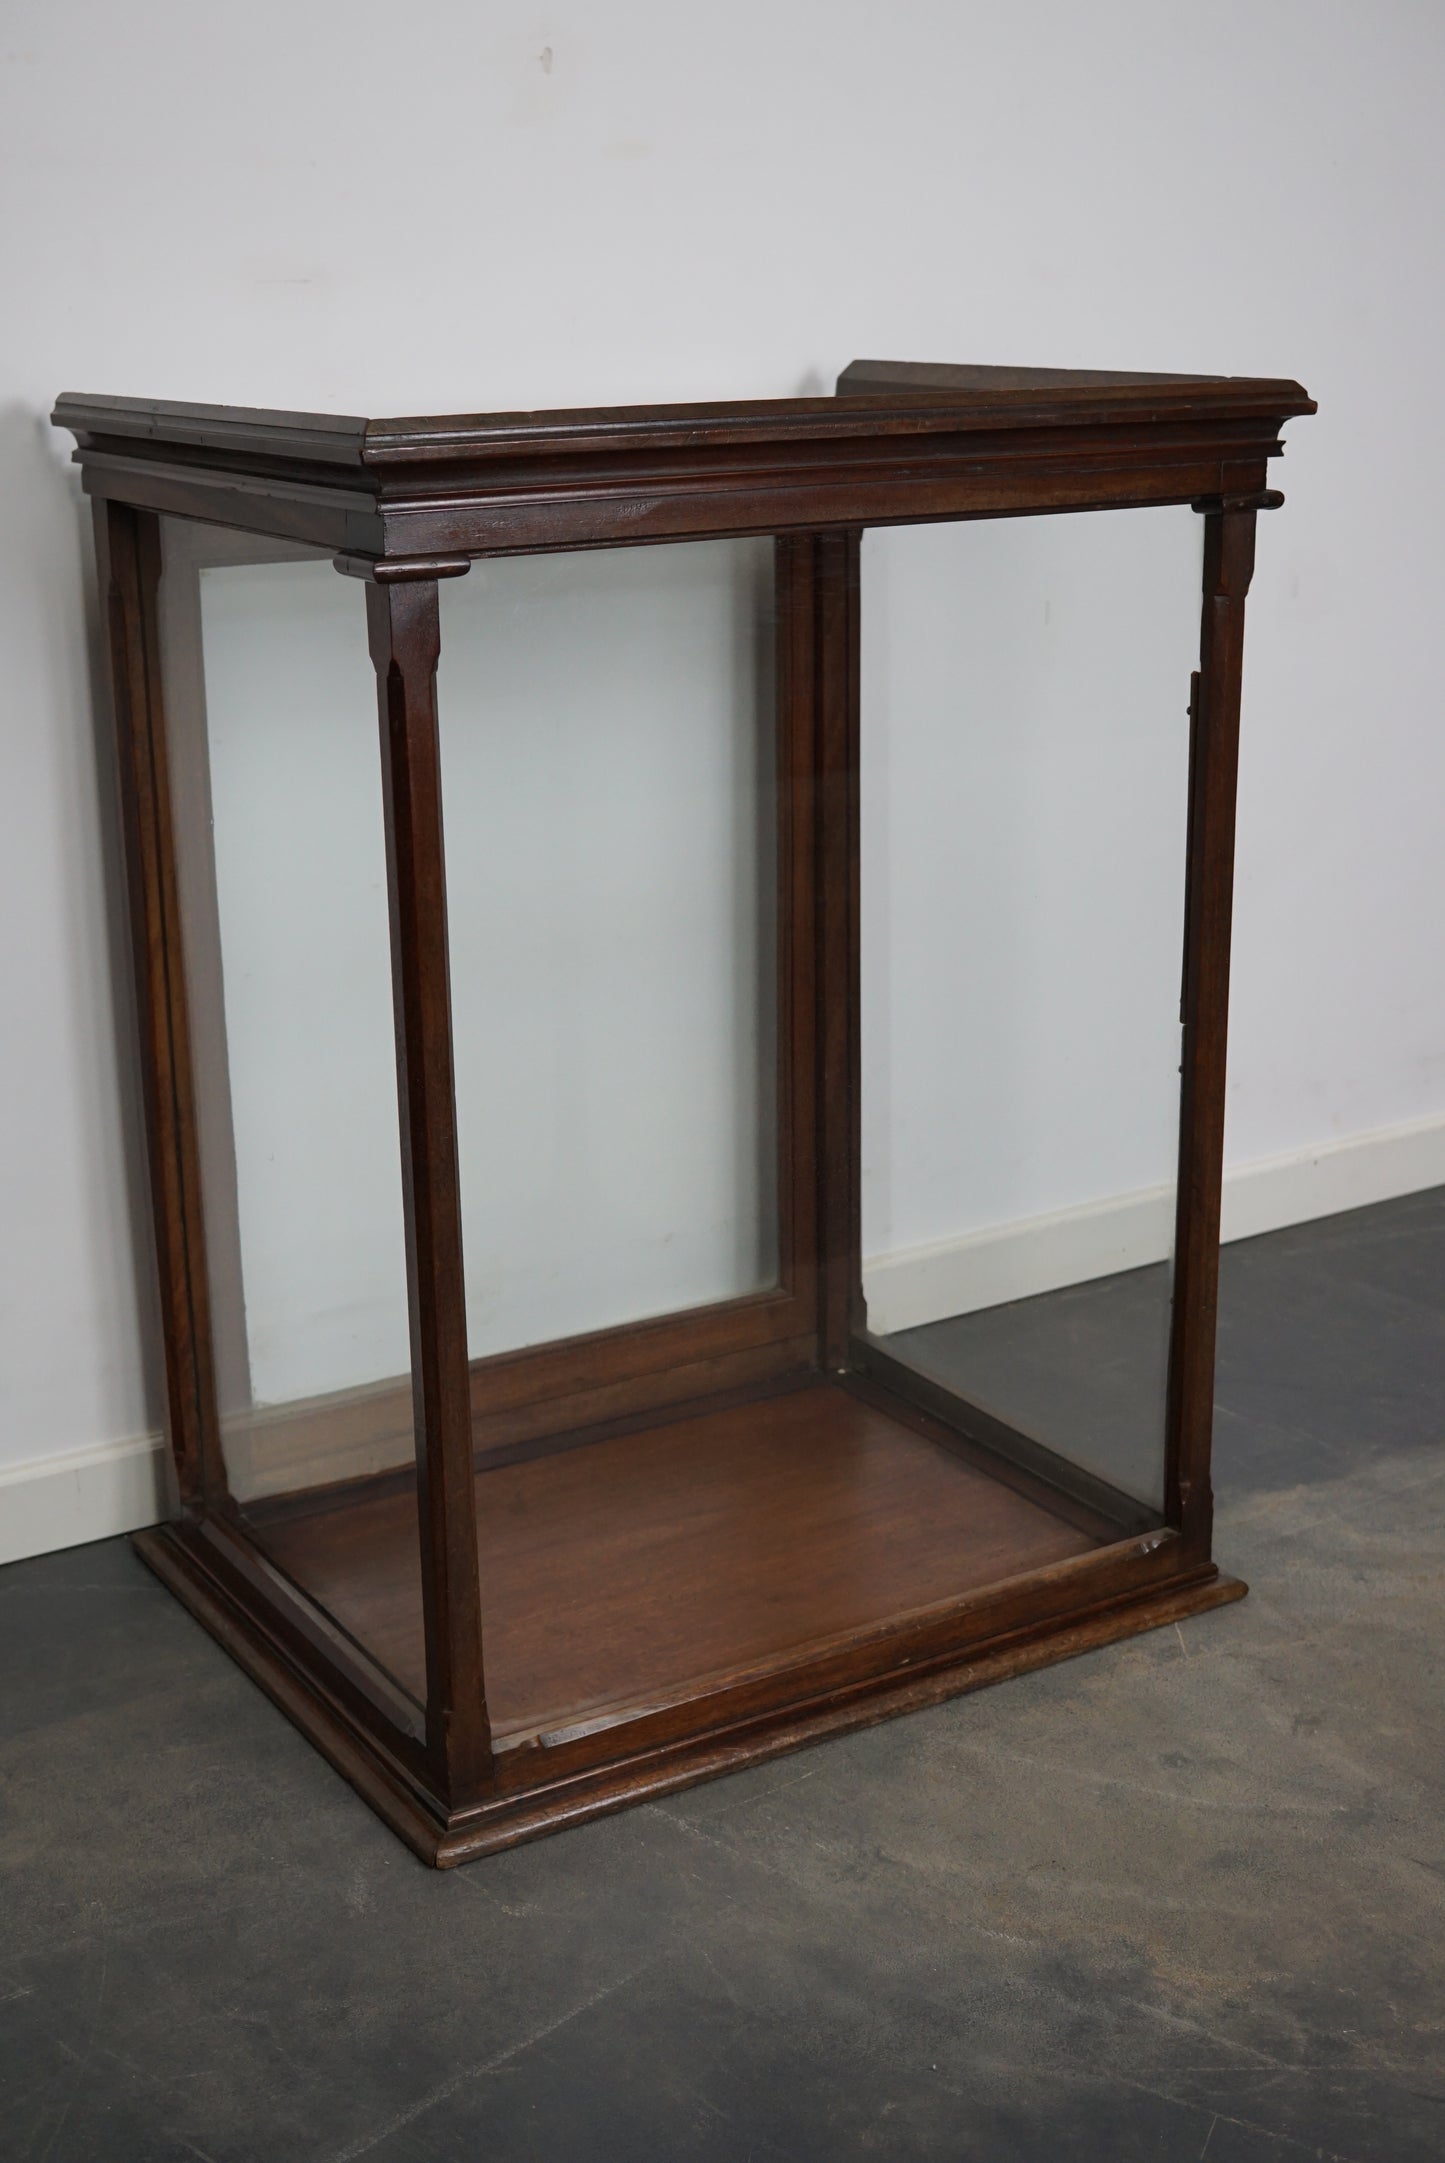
{"type": "Point", "coordinates": [401, 505]}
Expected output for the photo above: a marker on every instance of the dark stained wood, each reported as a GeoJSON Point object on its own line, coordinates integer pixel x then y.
{"type": "Point", "coordinates": [683, 1394]}
{"type": "Point", "coordinates": [375, 1701]}
{"type": "Point", "coordinates": [281, 1505]}
{"type": "Point", "coordinates": [991, 399]}
{"type": "Point", "coordinates": [514, 482]}
{"type": "Point", "coordinates": [798, 1021]}
{"type": "Point", "coordinates": [505, 1381]}
{"type": "Point", "coordinates": [390, 571]}
{"type": "Point", "coordinates": [1244, 499]}
{"type": "Point", "coordinates": [564, 1795]}
{"type": "Point", "coordinates": [327, 438]}
{"type": "Point", "coordinates": [968, 395]}
{"type": "Point", "coordinates": [840, 1085]}
{"type": "Point", "coordinates": [276, 1450]}
{"type": "Point", "coordinates": [319, 513]}
{"type": "Point", "coordinates": [1214, 767]}
{"type": "Point", "coordinates": [692, 1550]}
{"type": "Point", "coordinates": [628, 1575]}
{"type": "Point", "coordinates": [129, 563]}
{"type": "Point", "coordinates": [403, 624]}
{"type": "Point", "coordinates": [927, 379]}
{"type": "Point", "coordinates": [531, 1426]}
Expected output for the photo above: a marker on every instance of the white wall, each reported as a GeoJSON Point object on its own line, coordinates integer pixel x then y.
{"type": "Point", "coordinates": [477, 206]}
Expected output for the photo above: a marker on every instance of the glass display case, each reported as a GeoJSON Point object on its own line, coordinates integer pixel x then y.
{"type": "Point", "coordinates": [725, 1249]}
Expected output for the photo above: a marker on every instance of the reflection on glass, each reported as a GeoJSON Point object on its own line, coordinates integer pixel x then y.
{"type": "Point", "coordinates": [607, 753]}
{"type": "Point", "coordinates": [606, 731]}
{"type": "Point", "coordinates": [1025, 786]}
{"type": "Point", "coordinates": [276, 775]}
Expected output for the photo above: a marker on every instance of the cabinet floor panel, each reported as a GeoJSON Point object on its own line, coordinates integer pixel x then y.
{"type": "Point", "coordinates": [621, 1575]}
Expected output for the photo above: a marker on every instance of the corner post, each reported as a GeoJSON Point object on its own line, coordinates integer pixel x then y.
{"type": "Point", "coordinates": [836, 662]}
{"type": "Point", "coordinates": [128, 561]}
{"type": "Point", "coordinates": [1229, 536]}
{"type": "Point", "coordinates": [403, 623]}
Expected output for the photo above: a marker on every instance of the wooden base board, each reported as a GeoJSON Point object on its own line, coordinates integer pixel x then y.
{"type": "Point", "coordinates": [637, 1572]}
{"type": "Point", "coordinates": [514, 1818]}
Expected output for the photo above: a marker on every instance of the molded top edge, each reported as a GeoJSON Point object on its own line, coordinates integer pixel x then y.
{"type": "Point", "coordinates": [875, 398]}
{"type": "Point", "coordinates": [971, 376]}
{"type": "Point", "coordinates": [334, 437]}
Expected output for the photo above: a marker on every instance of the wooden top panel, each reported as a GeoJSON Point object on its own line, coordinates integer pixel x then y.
{"type": "Point", "coordinates": [861, 377]}
{"type": "Point", "coordinates": [901, 441]}
{"type": "Point", "coordinates": [876, 399]}
{"type": "Point", "coordinates": [174, 423]}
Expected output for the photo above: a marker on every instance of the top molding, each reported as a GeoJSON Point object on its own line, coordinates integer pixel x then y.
{"type": "Point", "coordinates": [901, 441]}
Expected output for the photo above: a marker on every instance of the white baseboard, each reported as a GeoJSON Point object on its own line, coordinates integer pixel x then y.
{"type": "Point", "coordinates": [1014, 1261]}
{"type": "Point", "coordinates": [83, 1495]}
{"type": "Point", "coordinates": [1073, 1246]}
{"type": "Point", "coordinates": [1274, 1192]}
{"type": "Point", "coordinates": [115, 1487]}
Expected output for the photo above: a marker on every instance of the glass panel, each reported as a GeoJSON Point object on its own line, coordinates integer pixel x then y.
{"type": "Point", "coordinates": [1024, 789]}
{"type": "Point", "coordinates": [276, 779]}
{"type": "Point", "coordinates": [606, 729]}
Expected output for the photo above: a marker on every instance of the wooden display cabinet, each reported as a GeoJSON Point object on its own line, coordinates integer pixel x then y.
{"type": "Point", "coordinates": [518, 1586]}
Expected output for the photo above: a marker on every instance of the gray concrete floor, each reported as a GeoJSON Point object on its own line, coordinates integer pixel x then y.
{"type": "Point", "coordinates": [1180, 1900]}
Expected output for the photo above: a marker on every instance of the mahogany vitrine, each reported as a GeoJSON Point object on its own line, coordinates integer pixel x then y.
{"type": "Point", "coordinates": [546, 1432]}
